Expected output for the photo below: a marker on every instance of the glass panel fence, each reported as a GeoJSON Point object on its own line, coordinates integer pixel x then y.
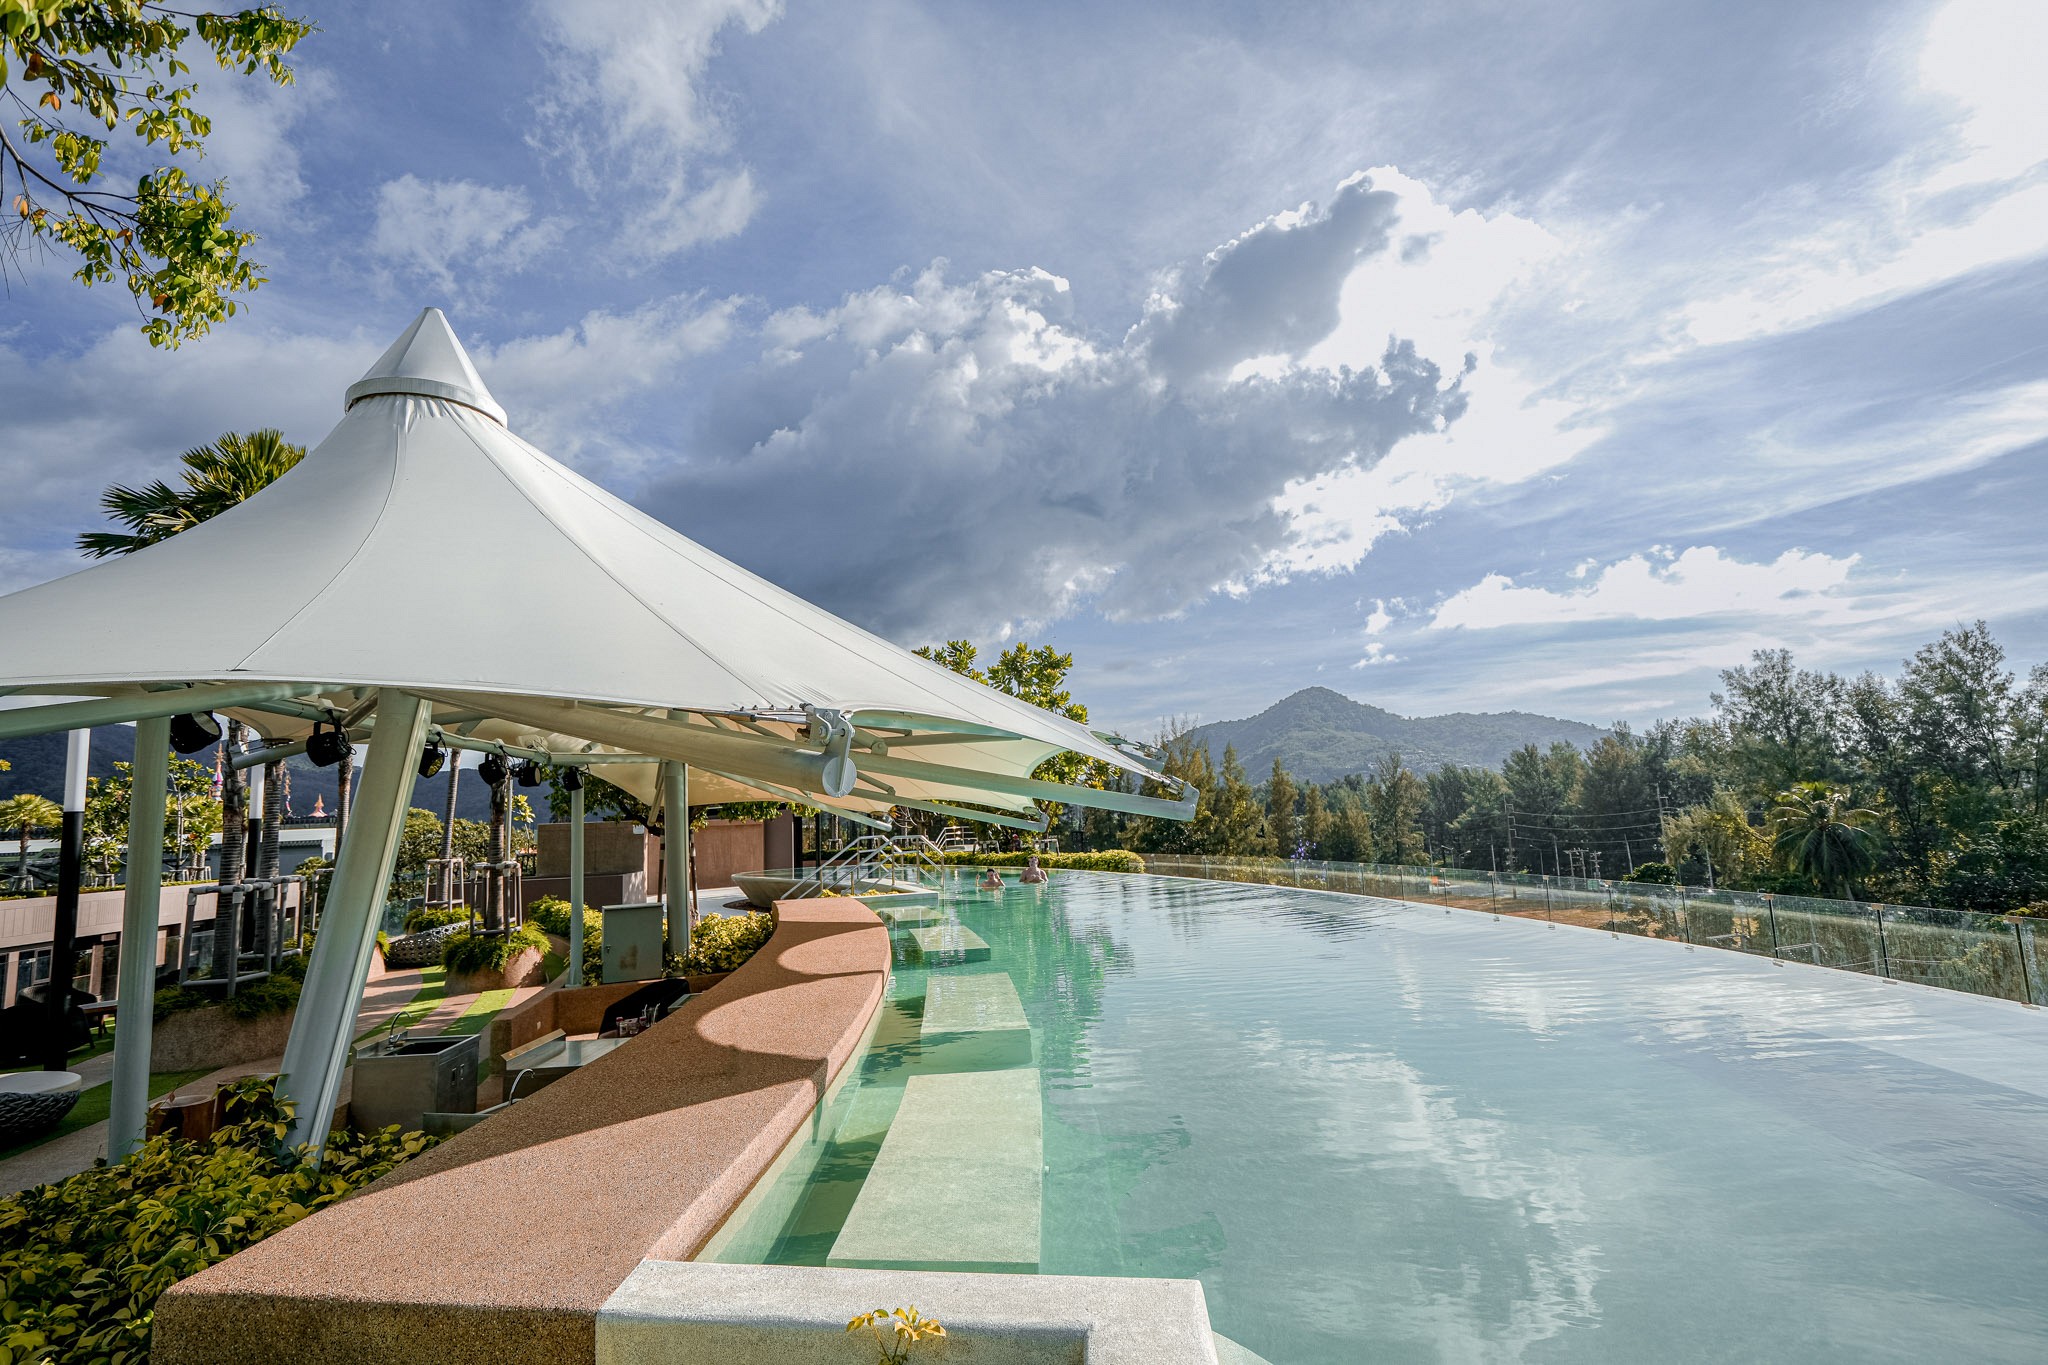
{"type": "Point", "coordinates": [1961, 950]}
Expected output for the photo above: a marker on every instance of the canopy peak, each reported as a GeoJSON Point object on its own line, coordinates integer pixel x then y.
{"type": "Point", "coordinates": [427, 361]}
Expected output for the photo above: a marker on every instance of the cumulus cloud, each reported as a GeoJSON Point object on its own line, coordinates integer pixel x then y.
{"type": "Point", "coordinates": [1376, 652]}
{"type": "Point", "coordinates": [456, 235]}
{"type": "Point", "coordinates": [628, 114]}
{"type": "Point", "coordinates": [561, 389]}
{"type": "Point", "coordinates": [968, 455]}
{"type": "Point", "coordinates": [1663, 586]}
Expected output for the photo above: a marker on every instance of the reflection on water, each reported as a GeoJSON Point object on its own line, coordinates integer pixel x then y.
{"type": "Point", "coordinates": [1379, 1132]}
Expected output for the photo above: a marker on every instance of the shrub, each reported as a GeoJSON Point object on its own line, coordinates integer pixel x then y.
{"type": "Point", "coordinates": [1654, 874]}
{"type": "Point", "coordinates": [720, 943]}
{"type": "Point", "coordinates": [552, 914]}
{"type": "Point", "coordinates": [465, 953]}
{"type": "Point", "coordinates": [83, 1260]}
{"type": "Point", "coordinates": [1108, 860]}
{"type": "Point", "coordinates": [433, 917]}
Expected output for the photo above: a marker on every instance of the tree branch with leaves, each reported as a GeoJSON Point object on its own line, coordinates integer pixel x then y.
{"type": "Point", "coordinates": [75, 72]}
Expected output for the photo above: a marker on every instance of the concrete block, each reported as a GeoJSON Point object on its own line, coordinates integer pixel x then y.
{"type": "Point", "coordinates": [944, 945]}
{"type": "Point", "coordinates": [959, 1180]}
{"type": "Point", "coordinates": [695, 1313]}
{"type": "Point", "coordinates": [974, 1022]}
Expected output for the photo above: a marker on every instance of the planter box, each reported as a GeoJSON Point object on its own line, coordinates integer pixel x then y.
{"type": "Point", "coordinates": [190, 1039]}
{"type": "Point", "coordinates": [522, 970]}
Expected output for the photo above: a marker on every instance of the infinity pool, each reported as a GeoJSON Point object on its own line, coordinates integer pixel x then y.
{"type": "Point", "coordinates": [1383, 1132]}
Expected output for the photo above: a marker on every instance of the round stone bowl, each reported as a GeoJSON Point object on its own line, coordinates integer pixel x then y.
{"type": "Point", "coordinates": [33, 1102]}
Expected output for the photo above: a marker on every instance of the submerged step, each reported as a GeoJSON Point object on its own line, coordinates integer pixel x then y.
{"type": "Point", "coordinates": [941, 945]}
{"type": "Point", "coordinates": [908, 916]}
{"type": "Point", "coordinates": [958, 1182]}
{"type": "Point", "coordinates": [974, 1022]}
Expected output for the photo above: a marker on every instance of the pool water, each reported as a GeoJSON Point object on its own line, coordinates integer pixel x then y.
{"type": "Point", "coordinates": [1385, 1132]}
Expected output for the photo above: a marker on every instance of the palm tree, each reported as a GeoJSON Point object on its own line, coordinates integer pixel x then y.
{"type": "Point", "coordinates": [24, 813]}
{"type": "Point", "coordinates": [218, 476]}
{"type": "Point", "coordinates": [1819, 833]}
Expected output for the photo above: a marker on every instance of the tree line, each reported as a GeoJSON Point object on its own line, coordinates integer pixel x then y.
{"type": "Point", "coordinates": [1926, 788]}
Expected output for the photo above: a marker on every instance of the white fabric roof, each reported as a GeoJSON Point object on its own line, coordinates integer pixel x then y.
{"type": "Point", "coordinates": [424, 546]}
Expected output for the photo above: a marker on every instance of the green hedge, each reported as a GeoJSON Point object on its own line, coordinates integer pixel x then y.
{"type": "Point", "coordinates": [433, 917]}
{"type": "Point", "coordinates": [1109, 860]}
{"type": "Point", "coordinates": [465, 953]}
{"type": "Point", "coordinates": [83, 1260]}
{"type": "Point", "coordinates": [721, 943]}
{"type": "Point", "coordinates": [274, 994]}
{"type": "Point", "coordinates": [552, 914]}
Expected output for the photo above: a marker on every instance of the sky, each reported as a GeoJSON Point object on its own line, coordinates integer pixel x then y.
{"type": "Point", "coordinates": [1455, 357]}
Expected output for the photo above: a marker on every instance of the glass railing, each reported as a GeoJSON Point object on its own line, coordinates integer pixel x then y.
{"type": "Point", "coordinates": [1959, 950]}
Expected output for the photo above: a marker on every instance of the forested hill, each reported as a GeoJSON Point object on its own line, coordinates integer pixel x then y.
{"type": "Point", "coordinates": [1322, 735]}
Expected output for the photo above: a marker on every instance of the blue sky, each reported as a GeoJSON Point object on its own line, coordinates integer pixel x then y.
{"type": "Point", "coordinates": [1465, 356]}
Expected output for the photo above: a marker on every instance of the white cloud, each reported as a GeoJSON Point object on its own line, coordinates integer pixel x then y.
{"type": "Point", "coordinates": [1917, 224]}
{"type": "Point", "coordinates": [1376, 652]}
{"type": "Point", "coordinates": [628, 113]}
{"type": "Point", "coordinates": [457, 235]}
{"type": "Point", "coordinates": [1663, 586]}
{"type": "Point", "coordinates": [562, 389]}
{"type": "Point", "coordinates": [1379, 618]}
{"type": "Point", "coordinates": [977, 435]}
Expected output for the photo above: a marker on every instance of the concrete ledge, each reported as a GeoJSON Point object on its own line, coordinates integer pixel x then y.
{"type": "Point", "coordinates": [696, 1314]}
{"type": "Point", "coordinates": [642, 1153]}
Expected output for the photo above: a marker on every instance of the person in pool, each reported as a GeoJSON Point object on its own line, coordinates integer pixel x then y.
{"type": "Point", "coordinates": [1033, 873]}
{"type": "Point", "coordinates": [992, 882]}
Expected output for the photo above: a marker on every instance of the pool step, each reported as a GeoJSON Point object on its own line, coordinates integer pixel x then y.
{"type": "Point", "coordinates": [958, 1182]}
{"type": "Point", "coordinates": [974, 1022]}
{"type": "Point", "coordinates": [946, 945]}
{"type": "Point", "coordinates": [907, 916]}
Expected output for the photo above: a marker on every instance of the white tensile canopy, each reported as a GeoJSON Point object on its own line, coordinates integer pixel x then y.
{"type": "Point", "coordinates": [424, 573]}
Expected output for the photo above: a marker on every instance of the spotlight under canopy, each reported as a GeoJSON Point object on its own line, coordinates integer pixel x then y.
{"type": "Point", "coordinates": [572, 779]}
{"type": "Point", "coordinates": [526, 773]}
{"type": "Point", "coordinates": [191, 733]}
{"type": "Point", "coordinates": [492, 770]}
{"type": "Point", "coordinates": [328, 745]}
{"type": "Point", "coordinates": [432, 759]}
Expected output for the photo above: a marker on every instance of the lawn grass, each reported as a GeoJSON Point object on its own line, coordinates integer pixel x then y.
{"type": "Point", "coordinates": [482, 1010]}
{"type": "Point", "coordinates": [93, 1103]}
{"type": "Point", "coordinates": [433, 987]}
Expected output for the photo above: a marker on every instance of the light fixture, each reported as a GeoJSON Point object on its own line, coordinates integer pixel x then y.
{"type": "Point", "coordinates": [432, 758]}
{"type": "Point", "coordinates": [572, 778]}
{"type": "Point", "coordinates": [492, 770]}
{"type": "Point", "coordinates": [526, 773]}
{"type": "Point", "coordinates": [190, 734]}
{"type": "Point", "coordinates": [329, 746]}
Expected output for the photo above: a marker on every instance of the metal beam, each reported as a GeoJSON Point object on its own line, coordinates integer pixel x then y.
{"type": "Point", "coordinates": [701, 746]}
{"type": "Point", "coordinates": [675, 855]}
{"type": "Point", "coordinates": [807, 799]}
{"type": "Point", "coordinates": [333, 990]}
{"type": "Point", "coordinates": [83, 715]}
{"type": "Point", "coordinates": [134, 1012]}
{"type": "Point", "coordinates": [972, 779]}
{"type": "Point", "coordinates": [986, 817]}
{"type": "Point", "coordinates": [575, 889]}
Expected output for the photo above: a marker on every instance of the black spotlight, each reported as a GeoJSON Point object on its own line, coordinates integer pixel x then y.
{"type": "Point", "coordinates": [190, 734]}
{"type": "Point", "coordinates": [526, 773]}
{"type": "Point", "coordinates": [329, 746]}
{"type": "Point", "coordinates": [432, 758]}
{"type": "Point", "coordinates": [491, 770]}
{"type": "Point", "coordinates": [572, 779]}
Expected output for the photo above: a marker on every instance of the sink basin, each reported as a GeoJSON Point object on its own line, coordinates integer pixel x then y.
{"type": "Point", "coordinates": [424, 1047]}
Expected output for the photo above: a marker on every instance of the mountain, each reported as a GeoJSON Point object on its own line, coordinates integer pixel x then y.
{"type": "Point", "coordinates": [1323, 735]}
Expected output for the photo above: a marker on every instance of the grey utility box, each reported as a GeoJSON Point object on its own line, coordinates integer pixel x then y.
{"type": "Point", "coordinates": [632, 941]}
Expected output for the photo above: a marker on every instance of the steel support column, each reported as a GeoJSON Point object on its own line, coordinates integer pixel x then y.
{"type": "Point", "coordinates": [575, 888]}
{"type": "Point", "coordinates": [128, 1097]}
{"type": "Point", "coordinates": [70, 873]}
{"type": "Point", "coordinates": [675, 854]}
{"type": "Point", "coordinates": [318, 1048]}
